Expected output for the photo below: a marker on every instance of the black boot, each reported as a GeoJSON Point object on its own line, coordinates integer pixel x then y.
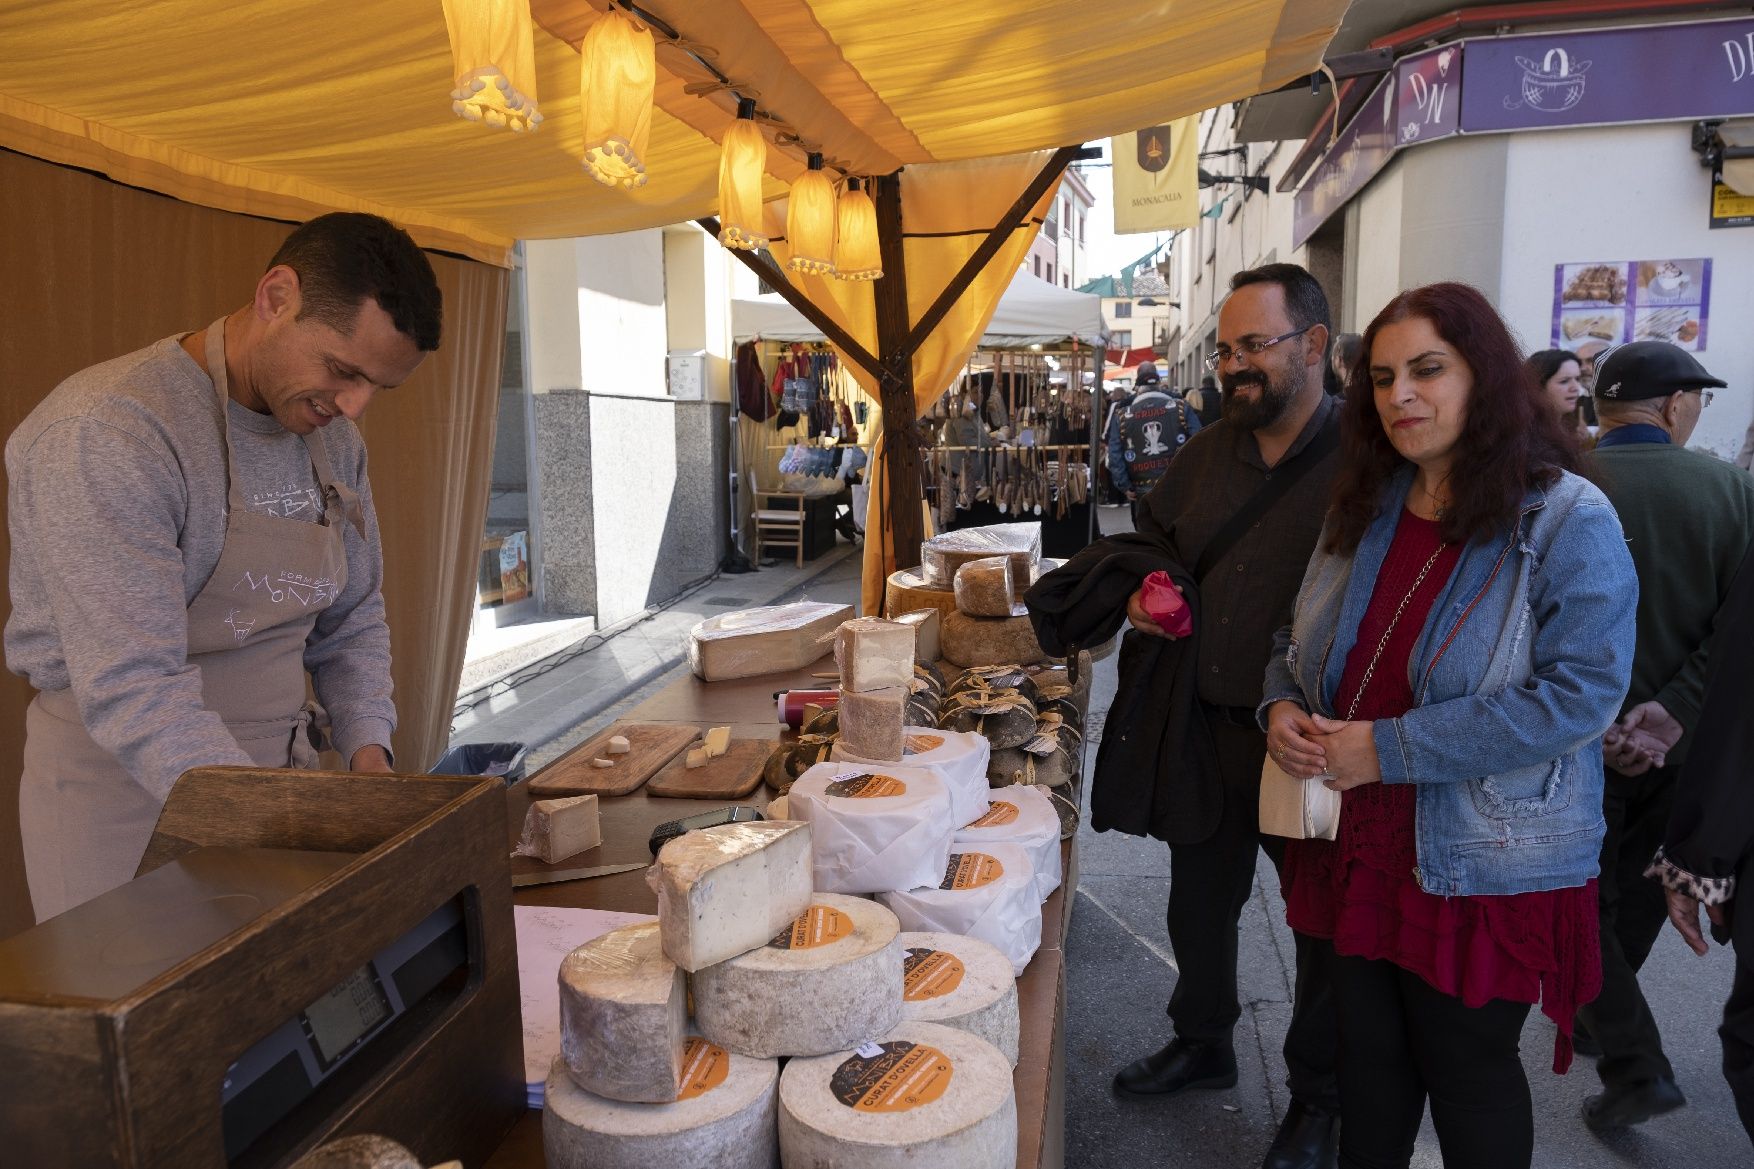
{"type": "Point", "coordinates": [1182, 1064]}
{"type": "Point", "coordinates": [1308, 1138]}
{"type": "Point", "coordinates": [1623, 1107]}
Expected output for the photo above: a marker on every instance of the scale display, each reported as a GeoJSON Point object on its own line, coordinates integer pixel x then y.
{"type": "Point", "coordinates": [341, 1018]}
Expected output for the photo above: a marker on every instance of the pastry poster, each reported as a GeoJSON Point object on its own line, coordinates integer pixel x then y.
{"type": "Point", "coordinates": [1638, 300]}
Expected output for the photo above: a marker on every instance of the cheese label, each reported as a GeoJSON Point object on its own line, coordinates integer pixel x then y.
{"type": "Point", "coordinates": [820, 925]}
{"type": "Point", "coordinates": [704, 1068]}
{"type": "Point", "coordinates": [999, 813]}
{"type": "Point", "coordinates": [920, 744]}
{"type": "Point", "coordinates": [971, 870]}
{"type": "Point", "coordinates": [902, 1076]}
{"type": "Point", "coordinates": [867, 787]}
{"type": "Point", "coordinates": [929, 974]}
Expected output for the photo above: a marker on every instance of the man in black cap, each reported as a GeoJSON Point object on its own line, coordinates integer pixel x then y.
{"type": "Point", "coordinates": [1689, 519]}
{"type": "Point", "coordinates": [1145, 434]}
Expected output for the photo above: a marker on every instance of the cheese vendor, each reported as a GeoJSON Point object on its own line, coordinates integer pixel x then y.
{"type": "Point", "coordinates": [192, 534]}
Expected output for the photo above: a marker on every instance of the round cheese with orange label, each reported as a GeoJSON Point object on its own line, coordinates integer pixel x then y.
{"type": "Point", "coordinates": [984, 891]}
{"type": "Point", "coordinates": [1025, 816]}
{"type": "Point", "coordinates": [961, 982]}
{"type": "Point", "coordinates": [873, 826]}
{"type": "Point", "coordinates": [959, 759]}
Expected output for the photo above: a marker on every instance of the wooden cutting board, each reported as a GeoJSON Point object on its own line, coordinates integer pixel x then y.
{"type": "Point", "coordinates": [652, 745]}
{"type": "Point", "coordinates": [731, 776]}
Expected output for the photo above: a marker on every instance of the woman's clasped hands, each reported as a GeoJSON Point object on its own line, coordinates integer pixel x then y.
{"type": "Point", "coordinates": [1308, 746]}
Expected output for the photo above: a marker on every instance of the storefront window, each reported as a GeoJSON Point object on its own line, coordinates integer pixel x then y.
{"type": "Point", "coordinates": [506, 582]}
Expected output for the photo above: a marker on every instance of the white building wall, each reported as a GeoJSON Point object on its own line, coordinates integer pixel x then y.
{"type": "Point", "coordinates": [1373, 246]}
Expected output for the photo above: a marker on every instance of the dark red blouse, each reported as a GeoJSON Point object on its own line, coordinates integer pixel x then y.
{"type": "Point", "coordinates": [1360, 890]}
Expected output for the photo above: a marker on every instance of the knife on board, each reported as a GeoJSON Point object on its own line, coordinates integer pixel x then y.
{"type": "Point", "coordinates": [551, 876]}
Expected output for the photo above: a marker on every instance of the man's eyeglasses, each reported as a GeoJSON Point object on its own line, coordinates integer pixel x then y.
{"type": "Point", "coordinates": [1704, 397]}
{"type": "Point", "coordinates": [1220, 357]}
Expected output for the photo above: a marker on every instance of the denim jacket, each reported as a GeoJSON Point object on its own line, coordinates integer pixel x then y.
{"type": "Point", "coordinates": [1521, 665]}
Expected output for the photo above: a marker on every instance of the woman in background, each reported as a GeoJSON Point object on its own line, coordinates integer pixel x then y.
{"type": "Point", "coordinates": [1559, 373]}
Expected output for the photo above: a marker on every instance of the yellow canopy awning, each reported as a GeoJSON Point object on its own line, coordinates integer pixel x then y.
{"type": "Point", "coordinates": [287, 108]}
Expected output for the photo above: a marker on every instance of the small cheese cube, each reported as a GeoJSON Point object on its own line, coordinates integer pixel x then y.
{"type": "Point", "coordinates": [618, 745]}
{"type": "Point", "coordinates": [717, 741]}
{"type": "Point", "coordinates": [600, 763]}
{"type": "Point", "coordinates": [984, 587]}
{"type": "Point", "coordinates": [725, 890]}
{"type": "Point", "coordinates": [871, 723]}
{"type": "Point", "coordinates": [557, 829]}
{"type": "Point", "coordinates": [874, 654]}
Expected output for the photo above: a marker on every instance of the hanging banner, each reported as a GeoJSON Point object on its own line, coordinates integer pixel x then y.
{"type": "Point", "coordinates": [1156, 177]}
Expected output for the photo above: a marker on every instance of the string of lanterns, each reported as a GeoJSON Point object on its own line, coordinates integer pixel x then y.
{"type": "Point", "coordinates": [494, 60]}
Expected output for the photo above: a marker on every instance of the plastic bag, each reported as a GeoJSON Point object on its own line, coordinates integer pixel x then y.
{"type": "Point", "coordinates": [1164, 604]}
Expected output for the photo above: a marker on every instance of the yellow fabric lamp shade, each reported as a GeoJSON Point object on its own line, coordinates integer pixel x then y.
{"type": "Point", "coordinates": [811, 218]}
{"type": "Point", "coordinates": [618, 73]}
{"type": "Point", "coordinates": [493, 59]}
{"type": "Point", "coordinates": [857, 254]}
{"type": "Point", "coordinates": [742, 161]}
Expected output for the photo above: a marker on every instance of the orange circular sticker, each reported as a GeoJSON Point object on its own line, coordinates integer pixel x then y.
{"type": "Point", "coordinates": [920, 744]}
{"type": "Point", "coordinates": [867, 787]}
{"type": "Point", "coordinates": [971, 870]}
{"type": "Point", "coordinates": [703, 1068]}
{"type": "Point", "coordinates": [929, 974]}
{"type": "Point", "coordinates": [819, 925]}
{"type": "Point", "coordinates": [999, 813]}
{"type": "Point", "coordinates": [896, 1076]}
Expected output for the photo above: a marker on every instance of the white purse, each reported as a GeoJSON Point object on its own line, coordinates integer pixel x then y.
{"type": "Point", "coordinates": [1299, 809]}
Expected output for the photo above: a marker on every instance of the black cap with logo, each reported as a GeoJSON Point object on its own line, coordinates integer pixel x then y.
{"type": "Point", "coordinates": [1649, 369]}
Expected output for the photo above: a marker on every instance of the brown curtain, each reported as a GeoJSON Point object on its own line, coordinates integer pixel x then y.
{"type": "Point", "coordinates": [92, 269]}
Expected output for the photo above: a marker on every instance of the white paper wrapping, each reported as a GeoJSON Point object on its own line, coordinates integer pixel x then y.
{"type": "Point", "coordinates": [1003, 912]}
{"type": "Point", "coordinates": [871, 843]}
{"type": "Point", "coordinates": [1024, 816]}
{"type": "Point", "coordinates": [958, 758]}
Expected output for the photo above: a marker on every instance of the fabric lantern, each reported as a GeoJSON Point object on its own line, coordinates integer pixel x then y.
{"type": "Point", "coordinates": [494, 61]}
{"type": "Point", "coordinates": [618, 73]}
{"type": "Point", "coordinates": [742, 161]}
{"type": "Point", "coordinates": [857, 254]}
{"type": "Point", "coordinates": [810, 222]}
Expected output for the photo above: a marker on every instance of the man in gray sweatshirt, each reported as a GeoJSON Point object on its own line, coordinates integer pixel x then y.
{"type": "Point", "coordinates": [192, 536]}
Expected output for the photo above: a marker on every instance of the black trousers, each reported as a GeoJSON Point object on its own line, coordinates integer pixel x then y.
{"type": "Point", "coordinates": [1403, 1042]}
{"type": "Point", "coordinates": [1209, 884]}
{"type": "Point", "coordinates": [1737, 1033]}
{"type": "Point", "coordinates": [1633, 916]}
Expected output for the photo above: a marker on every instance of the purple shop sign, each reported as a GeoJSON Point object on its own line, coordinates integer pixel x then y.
{"type": "Point", "coordinates": [1651, 73]}
{"type": "Point", "coordinates": [1428, 95]}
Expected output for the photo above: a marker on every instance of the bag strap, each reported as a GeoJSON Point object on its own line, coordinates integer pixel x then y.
{"type": "Point", "coordinates": [1269, 494]}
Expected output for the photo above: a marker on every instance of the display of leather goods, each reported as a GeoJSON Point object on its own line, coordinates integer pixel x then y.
{"type": "Point", "coordinates": [1023, 815]}
{"type": "Point", "coordinates": [943, 554]}
{"type": "Point", "coordinates": [1298, 809]}
{"type": "Point", "coordinates": [790, 760]}
{"type": "Point", "coordinates": [873, 827]}
{"type": "Point", "coordinates": [1005, 718]}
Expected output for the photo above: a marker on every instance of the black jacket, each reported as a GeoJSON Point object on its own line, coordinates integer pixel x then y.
{"type": "Point", "coordinates": [1156, 770]}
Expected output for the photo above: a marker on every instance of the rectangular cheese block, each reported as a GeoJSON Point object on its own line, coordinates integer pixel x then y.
{"type": "Point", "coordinates": [926, 623]}
{"type": "Point", "coordinates": [557, 829]}
{"type": "Point", "coordinates": [984, 587]}
{"type": "Point", "coordinates": [763, 641]}
{"type": "Point", "coordinates": [871, 723]}
{"type": "Point", "coordinates": [874, 654]}
{"type": "Point", "coordinates": [942, 555]}
{"type": "Point", "coordinates": [726, 890]}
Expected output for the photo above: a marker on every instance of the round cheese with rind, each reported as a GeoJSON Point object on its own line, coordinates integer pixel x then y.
{"type": "Point", "coordinates": [985, 892]}
{"type": "Point", "coordinates": [624, 1016]}
{"type": "Point", "coordinates": [1024, 816]}
{"type": "Point", "coordinates": [830, 981]}
{"type": "Point", "coordinates": [873, 827]}
{"type": "Point", "coordinates": [961, 982]}
{"type": "Point", "coordinates": [959, 758]}
{"type": "Point", "coordinates": [924, 1095]}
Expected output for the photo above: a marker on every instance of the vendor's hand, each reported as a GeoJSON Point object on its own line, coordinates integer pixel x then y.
{"type": "Point", "coordinates": [1292, 740]}
{"type": "Point", "coordinates": [1141, 620]}
{"type": "Point", "coordinates": [1684, 916]}
{"type": "Point", "coordinates": [370, 758]}
{"type": "Point", "coordinates": [1351, 752]}
{"type": "Point", "coordinates": [1651, 729]}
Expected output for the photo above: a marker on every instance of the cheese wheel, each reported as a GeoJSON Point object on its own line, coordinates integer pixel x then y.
{"type": "Point", "coordinates": [873, 827]}
{"type": "Point", "coordinates": [961, 982]}
{"type": "Point", "coordinates": [924, 1095]}
{"type": "Point", "coordinates": [1024, 816]}
{"type": "Point", "coordinates": [624, 1016]}
{"type": "Point", "coordinates": [828, 982]}
{"type": "Point", "coordinates": [943, 554]}
{"type": "Point", "coordinates": [724, 1119]}
{"type": "Point", "coordinates": [989, 641]}
{"type": "Point", "coordinates": [958, 758]}
{"type": "Point", "coordinates": [908, 591]}
{"type": "Point", "coordinates": [984, 588]}
{"type": "Point", "coordinates": [986, 893]}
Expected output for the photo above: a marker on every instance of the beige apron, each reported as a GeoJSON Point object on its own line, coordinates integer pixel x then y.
{"type": "Point", "coordinates": [85, 822]}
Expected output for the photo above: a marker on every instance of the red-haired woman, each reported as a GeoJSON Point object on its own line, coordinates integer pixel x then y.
{"type": "Point", "coordinates": [1462, 638]}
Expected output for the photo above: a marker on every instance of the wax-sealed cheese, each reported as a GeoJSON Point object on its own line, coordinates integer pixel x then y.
{"type": "Point", "coordinates": [556, 829]}
{"type": "Point", "coordinates": [961, 982]}
{"type": "Point", "coordinates": [724, 890]}
{"type": "Point", "coordinates": [958, 758]}
{"type": "Point", "coordinates": [1024, 816]}
{"type": "Point", "coordinates": [871, 722]}
{"type": "Point", "coordinates": [908, 591]}
{"type": "Point", "coordinates": [1050, 758]}
{"type": "Point", "coordinates": [829, 981]}
{"type": "Point", "coordinates": [763, 641]}
{"type": "Point", "coordinates": [1004, 718]}
{"type": "Point", "coordinates": [925, 623]}
{"type": "Point", "coordinates": [723, 1118]}
{"type": "Point", "coordinates": [873, 826]}
{"type": "Point", "coordinates": [874, 654]}
{"type": "Point", "coordinates": [990, 641]}
{"type": "Point", "coordinates": [984, 587]}
{"type": "Point", "coordinates": [923, 1095]}
{"type": "Point", "coordinates": [943, 554]}
{"type": "Point", "coordinates": [986, 893]}
{"type": "Point", "coordinates": [624, 1016]}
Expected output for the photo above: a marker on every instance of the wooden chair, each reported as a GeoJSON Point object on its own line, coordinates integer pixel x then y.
{"type": "Point", "coordinates": [781, 524]}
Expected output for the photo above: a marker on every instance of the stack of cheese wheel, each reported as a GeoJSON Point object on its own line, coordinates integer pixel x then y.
{"type": "Point", "coordinates": [959, 758]}
{"type": "Point", "coordinates": [961, 982]}
{"type": "Point", "coordinates": [986, 893]}
{"type": "Point", "coordinates": [873, 828]}
{"type": "Point", "coordinates": [831, 981]}
{"type": "Point", "coordinates": [923, 1094]}
{"type": "Point", "coordinates": [1024, 816]}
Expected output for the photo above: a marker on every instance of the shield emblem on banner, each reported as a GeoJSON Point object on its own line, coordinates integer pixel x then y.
{"type": "Point", "coordinates": [1154, 148]}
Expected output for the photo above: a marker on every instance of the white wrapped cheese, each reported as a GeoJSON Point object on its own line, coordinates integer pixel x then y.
{"type": "Point", "coordinates": [723, 1118]}
{"type": "Point", "coordinates": [871, 722]}
{"type": "Point", "coordinates": [961, 982]}
{"type": "Point", "coordinates": [725, 890]}
{"type": "Point", "coordinates": [1024, 816]}
{"type": "Point", "coordinates": [624, 1016]}
{"type": "Point", "coordinates": [829, 981]}
{"type": "Point", "coordinates": [984, 587]}
{"type": "Point", "coordinates": [924, 1095]}
{"type": "Point", "coordinates": [766, 640]}
{"type": "Point", "coordinates": [874, 654]}
{"type": "Point", "coordinates": [959, 758]}
{"type": "Point", "coordinates": [987, 894]}
{"type": "Point", "coordinates": [873, 828]}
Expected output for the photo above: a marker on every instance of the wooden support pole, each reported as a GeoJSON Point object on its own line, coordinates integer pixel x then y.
{"type": "Point", "coordinates": [895, 351]}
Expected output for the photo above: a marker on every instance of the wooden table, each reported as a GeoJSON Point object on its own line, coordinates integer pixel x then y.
{"type": "Point", "coordinates": [747, 707]}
